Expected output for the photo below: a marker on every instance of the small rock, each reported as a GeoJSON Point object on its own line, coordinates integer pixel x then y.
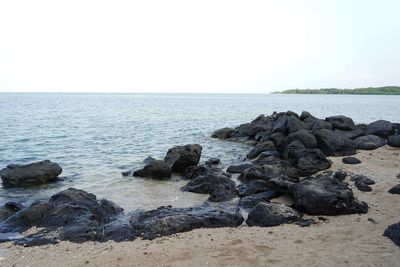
{"type": "Point", "coordinates": [395, 189]}
{"type": "Point", "coordinates": [351, 160]}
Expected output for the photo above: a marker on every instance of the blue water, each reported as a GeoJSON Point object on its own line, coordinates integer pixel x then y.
{"type": "Point", "coordinates": [95, 137]}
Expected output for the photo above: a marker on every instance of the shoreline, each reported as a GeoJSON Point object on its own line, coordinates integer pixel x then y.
{"type": "Point", "coordinates": [353, 240]}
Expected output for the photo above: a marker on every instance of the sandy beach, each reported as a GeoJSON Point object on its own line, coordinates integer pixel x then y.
{"type": "Point", "coordinates": [349, 240]}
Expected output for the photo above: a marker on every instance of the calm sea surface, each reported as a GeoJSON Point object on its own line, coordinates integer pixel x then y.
{"type": "Point", "coordinates": [94, 137]}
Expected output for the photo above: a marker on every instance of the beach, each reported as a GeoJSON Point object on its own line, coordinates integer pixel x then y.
{"type": "Point", "coordinates": [351, 240]}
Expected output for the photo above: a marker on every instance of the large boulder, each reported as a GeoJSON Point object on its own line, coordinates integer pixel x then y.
{"type": "Point", "coordinates": [294, 125]}
{"type": "Point", "coordinates": [261, 147]}
{"type": "Point", "coordinates": [380, 128]}
{"type": "Point", "coordinates": [253, 187]}
{"type": "Point", "coordinates": [167, 221]}
{"type": "Point", "coordinates": [394, 140]}
{"type": "Point", "coordinates": [68, 208]}
{"type": "Point", "coordinates": [341, 123]}
{"type": "Point", "coordinates": [251, 201]}
{"type": "Point", "coordinates": [181, 157]}
{"type": "Point", "coordinates": [325, 195]}
{"type": "Point", "coordinates": [223, 133]}
{"type": "Point", "coordinates": [31, 174]}
{"type": "Point", "coordinates": [334, 143]}
{"type": "Point", "coordinates": [393, 233]}
{"type": "Point", "coordinates": [306, 138]}
{"type": "Point", "coordinates": [211, 181]}
{"type": "Point", "coordinates": [156, 169]}
{"type": "Point", "coordinates": [369, 142]}
{"type": "Point", "coordinates": [272, 214]}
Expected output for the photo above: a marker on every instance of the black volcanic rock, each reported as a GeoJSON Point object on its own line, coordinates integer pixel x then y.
{"type": "Point", "coordinates": [334, 143]}
{"type": "Point", "coordinates": [341, 123]}
{"type": "Point", "coordinates": [393, 233]}
{"type": "Point", "coordinates": [395, 189]}
{"type": "Point", "coordinates": [157, 169]}
{"type": "Point", "coordinates": [380, 128]}
{"type": "Point", "coordinates": [325, 195]}
{"type": "Point", "coordinates": [351, 160]}
{"type": "Point", "coordinates": [272, 214]}
{"type": "Point", "coordinates": [394, 140]}
{"type": "Point", "coordinates": [181, 157]}
{"type": "Point", "coordinates": [31, 174]}
{"type": "Point", "coordinates": [369, 142]}
{"type": "Point", "coordinates": [167, 221]}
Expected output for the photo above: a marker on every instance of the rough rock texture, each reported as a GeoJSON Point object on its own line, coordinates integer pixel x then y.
{"type": "Point", "coordinates": [181, 157]}
{"type": "Point", "coordinates": [341, 123]}
{"type": "Point", "coordinates": [261, 147]}
{"type": "Point", "coordinates": [206, 180]}
{"type": "Point", "coordinates": [325, 195]}
{"type": "Point", "coordinates": [157, 169]}
{"type": "Point", "coordinates": [306, 138]}
{"type": "Point", "coordinates": [395, 189]}
{"type": "Point", "coordinates": [380, 128]}
{"type": "Point", "coordinates": [272, 214]}
{"type": "Point", "coordinates": [251, 201]}
{"type": "Point", "coordinates": [31, 174]}
{"type": "Point", "coordinates": [166, 220]}
{"type": "Point", "coordinates": [334, 143]}
{"type": "Point", "coordinates": [393, 233]}
{"type": "Point", "coordinates": [8, 209]}
{"type": "Point", "coordinates": [351, 160]}
{"type": "Point", "coordinates": [394, 140]}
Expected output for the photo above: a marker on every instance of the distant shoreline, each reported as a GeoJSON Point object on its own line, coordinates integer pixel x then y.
{"type": "Point", "coordinates": [385, 90]}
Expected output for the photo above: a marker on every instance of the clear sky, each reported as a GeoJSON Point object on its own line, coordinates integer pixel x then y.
{"type": "Point", "coordinates": [197, 46]}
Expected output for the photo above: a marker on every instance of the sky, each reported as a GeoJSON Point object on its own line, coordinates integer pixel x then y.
{"type": "Point", "coordinates": [202, 46]}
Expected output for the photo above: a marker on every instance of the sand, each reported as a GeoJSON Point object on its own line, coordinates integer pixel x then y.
{"type": "Point", "coordinates": [349, 240]}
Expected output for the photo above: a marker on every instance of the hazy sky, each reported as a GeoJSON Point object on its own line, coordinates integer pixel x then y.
{"type": "Point", "coordinates": [197, 46]}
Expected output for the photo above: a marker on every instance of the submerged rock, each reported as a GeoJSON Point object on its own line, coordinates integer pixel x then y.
{"type": "Point", "coordinates": [156, 169]}
{"type": "Point", "coordinates": [31, 174]}
{"type": "Point", "coordinates": [272, 214]}
{"type": "Point", "coordinates": [181, 157]}
{"type": "Point", "coordinates": [223, 133]}
{"type": "Point", "coordinates": [167, 220]}
{"type": "Point", "coordinates": [325, 195]}
{"type": "Point", "coordinates": [393, 233]}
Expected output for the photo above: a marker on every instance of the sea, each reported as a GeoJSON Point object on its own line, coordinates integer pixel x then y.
{"type": "Point", "coordinates": [95, 137]}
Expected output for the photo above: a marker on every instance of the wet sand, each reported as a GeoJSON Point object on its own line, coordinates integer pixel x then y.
{"type": "Point", "coordinates": [349, 240]}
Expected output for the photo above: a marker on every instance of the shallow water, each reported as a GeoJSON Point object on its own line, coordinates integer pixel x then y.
{"type": "Point", "coordinates": [95, 137]}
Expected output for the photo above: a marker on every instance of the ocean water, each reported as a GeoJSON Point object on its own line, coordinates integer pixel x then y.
{"type": "Point", "coordinates": [94, 137]}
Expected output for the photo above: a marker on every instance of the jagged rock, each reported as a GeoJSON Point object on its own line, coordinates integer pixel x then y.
{"type": "Point", "coordinates": [156, 169]}
{"type": "Point", "coordinates": [395, 189]}
{"type": "Point", "coordinates": [272, 214]}
{"type": "Point", "coordinates": [31, 174]}
{"type": "Point", "coordinates": [380, 128]}
{"type": "Point", "coordinates": [333, 143]}
{"type": "Point", "coordinates": [213, 182]}
{"type": "Point", "coordinates": [261, 147]}
{"type": "Point", "coordinates": [351, 160]}
{"type": "Point", "coordinates": [251, 201]}
{"type": "Point", "coordinates": [264, 172]}
{"type": "Point", "coordinates": [223, 133]}
{"type": "Point", "coordinates": [280, 125]}
{"type": "Point", "coordinates": [341, 123]}
{"type": "Point", "coordinates": [369, 142]}
{"type": "Point", "coordinates": [167, 221]}
{"type": "Point", "coordinates": [393, 233]}
{"type": "Point", "coordinates": [340, 174]}
{"type": "Point", "coordinates": [279, 140]}
{"type": "Point", "coordinates": [325, 195]}
{"type": "Point", "coordinates": [306, 138]}
{"type": "Point", "coordinates": [394, 140]}
{"type": "Point", "coordinates": [239, 168]}
{"type": "Point", "coordinates": [68, 208]}
{"type": "Point", "coordinates": [181, 157]}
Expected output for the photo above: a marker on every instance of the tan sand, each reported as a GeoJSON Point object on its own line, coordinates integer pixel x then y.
{"type": "Point", "coordinates": [350, 240]}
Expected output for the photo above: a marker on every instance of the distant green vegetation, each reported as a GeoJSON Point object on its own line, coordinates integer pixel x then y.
{"type": "Point", "coordinates": [386, 90]}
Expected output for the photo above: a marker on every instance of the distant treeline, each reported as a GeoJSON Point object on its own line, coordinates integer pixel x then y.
{"type": "Point", "coordinates": [386, 90]}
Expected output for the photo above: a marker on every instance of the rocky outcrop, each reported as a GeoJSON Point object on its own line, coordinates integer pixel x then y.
{"type": "Point", "coordinates": [325, 195]}
{"type": "Point", "coordinates": [181, 157]}
{"type": "Point", "coordinates": [166, 220]}
{"type": "Point", "coordinates": [31, 174]}
{"type": "Point", "coordinates": [272, 214]}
